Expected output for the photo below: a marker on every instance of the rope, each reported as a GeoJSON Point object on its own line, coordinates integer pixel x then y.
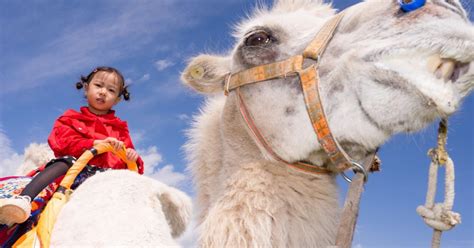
{"type": "Point", "coordinates": [439, 215]}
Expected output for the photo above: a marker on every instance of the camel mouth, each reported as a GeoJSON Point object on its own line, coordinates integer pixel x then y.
{"type": "Point", "coordinates": [441, 81]}
{"type": "Point", "coordinates": [447, 69]}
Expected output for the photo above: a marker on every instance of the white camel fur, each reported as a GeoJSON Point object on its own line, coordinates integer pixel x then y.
{"type": "Point", "coordinates": [116, 208]}
{"type": "Point", "coordinates": [122, 208]}
{"type": "Point", "coordinates": [384, 72]}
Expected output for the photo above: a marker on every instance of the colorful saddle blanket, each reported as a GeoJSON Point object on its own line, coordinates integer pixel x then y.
{"type": "Point", "coordinates": [14, 185]}
{"type": "Point", "coordinates": [10, 186]}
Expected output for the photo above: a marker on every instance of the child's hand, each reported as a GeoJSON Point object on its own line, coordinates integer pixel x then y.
{"type": "Point", "coordinates": [132, 155]}
{"type": "Point", "coordinates": [117, 144]}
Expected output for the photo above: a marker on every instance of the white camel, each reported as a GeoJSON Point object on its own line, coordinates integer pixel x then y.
{"type": "Point", "coordinates": [116, 208]}
{"type": "Point", "coordinates": [384, 72]}
{"type": "Point", "coordinates": [122, 208]}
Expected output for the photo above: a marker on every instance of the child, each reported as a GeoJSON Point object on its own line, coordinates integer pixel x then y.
{"type": "Point", "coordinates": [74, 132]}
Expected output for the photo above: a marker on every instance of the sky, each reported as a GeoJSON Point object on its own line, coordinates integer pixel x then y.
{"type": "Point", "coordinates": [45, 46]}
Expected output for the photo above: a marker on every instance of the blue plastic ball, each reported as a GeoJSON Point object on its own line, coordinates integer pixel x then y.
{"type": "Point", "coordinates": [410, 5]}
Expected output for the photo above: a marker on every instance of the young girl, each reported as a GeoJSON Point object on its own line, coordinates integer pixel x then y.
{"type": "Point", "coordinates": [74, 132]}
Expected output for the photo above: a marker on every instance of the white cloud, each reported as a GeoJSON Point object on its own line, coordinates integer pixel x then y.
{"type": "Point", "coordinates": [9, 159]}
{"type": "Point", "coordinates": [165, 174]}
{"type": "Point", "coordinates": [168, 176]}
{"type": "Point", "coordinates": [162, 64]}
{"type": "Point", "coordinates": [145, 77]}
{"type": "Point", "coordinates": [151, 157]}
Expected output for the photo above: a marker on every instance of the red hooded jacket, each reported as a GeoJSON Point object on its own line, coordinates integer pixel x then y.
{"type": "Point", "coordinates": [75, 132]}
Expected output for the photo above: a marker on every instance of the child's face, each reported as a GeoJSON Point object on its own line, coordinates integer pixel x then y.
{"type": "Point", "coordinates": [103, 92]}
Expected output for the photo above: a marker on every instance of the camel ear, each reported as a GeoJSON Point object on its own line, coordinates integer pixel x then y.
{"type": "Point", "coordinates": [177, 208]}
{"type": "Point", "coordinates": [206, 73]}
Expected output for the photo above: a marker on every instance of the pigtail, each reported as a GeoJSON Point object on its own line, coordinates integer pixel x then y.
{"type": "Point", "coordinates": [125, 93]}
{"type": "Point", "coordinates": [80, 84]}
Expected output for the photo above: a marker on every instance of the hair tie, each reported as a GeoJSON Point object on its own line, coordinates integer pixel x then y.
{"type": "Point", "coordinates": [79, 85]}
{"type": "Point", "coordinates": [125, 93]}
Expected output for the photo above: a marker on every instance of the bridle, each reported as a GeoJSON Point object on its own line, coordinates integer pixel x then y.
{"type": "Point", "coordinates": [309, 78]}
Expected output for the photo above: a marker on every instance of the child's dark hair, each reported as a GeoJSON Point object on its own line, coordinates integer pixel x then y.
{"type": "Point", "coordinates": [88, 78]}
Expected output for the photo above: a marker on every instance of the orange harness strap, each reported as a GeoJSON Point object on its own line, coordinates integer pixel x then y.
{"type": "Point", "coordinates": [310, 83]}
{"type": "Point", "coordinates": [264, 72]}
{"type": "Point", "coordinates": [316, 48]}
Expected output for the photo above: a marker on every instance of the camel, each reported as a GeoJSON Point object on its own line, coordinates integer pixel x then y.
{"type": "Point", "coordinates": [385, 71]}
{"type": "Point", "coordinates": [122, 208]}
{"type": "Point", "coordinates": [116, 208]}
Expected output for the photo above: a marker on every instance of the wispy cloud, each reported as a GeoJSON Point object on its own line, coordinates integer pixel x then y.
{"type": "Point", "coordinates": [145, 77]}
{"type": "Point", "coordinates": [162, 64]}
{"type": "Point", "coordinates": [114, 34]}
{"type": "Point", "coordinates": [184, 117]}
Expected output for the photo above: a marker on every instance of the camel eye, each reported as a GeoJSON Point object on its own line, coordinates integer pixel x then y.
{"type": "Point", "coordinates": [258, 39]}
{"type": "Point", "coordinates": [410, 5]}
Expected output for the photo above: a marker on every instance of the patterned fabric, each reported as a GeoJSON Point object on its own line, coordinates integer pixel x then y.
{"type": "Point", "coordinates": [10, 186]}
{"type": "Point", "coordinates": [87, 172]}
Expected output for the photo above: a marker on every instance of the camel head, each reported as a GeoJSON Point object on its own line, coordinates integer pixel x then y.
{"type": "Point", "coordinates": [385, 71]}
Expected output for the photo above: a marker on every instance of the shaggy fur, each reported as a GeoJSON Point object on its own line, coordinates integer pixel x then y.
{"type": "Point", "coordinates": [122, 208]}
{"type": "Point", "coordinates": [374, 84]}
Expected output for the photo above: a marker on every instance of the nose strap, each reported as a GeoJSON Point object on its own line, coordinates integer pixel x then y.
{"type": "Point", "coordinates": [264, 72]}
{"type": "Point", "coordinates": [316, 48]}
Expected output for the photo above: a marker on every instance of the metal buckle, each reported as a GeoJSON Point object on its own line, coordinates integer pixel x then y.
{"type": "Point", "coordinates": [357, 168]}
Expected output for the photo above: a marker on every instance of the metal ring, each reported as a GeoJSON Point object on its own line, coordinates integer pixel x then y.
{"type": "Point", "coordinates": [357, 168]}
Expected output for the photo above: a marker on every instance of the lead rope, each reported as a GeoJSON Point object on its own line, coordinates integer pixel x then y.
{"type": "Point", "coordinates": [439, 216]}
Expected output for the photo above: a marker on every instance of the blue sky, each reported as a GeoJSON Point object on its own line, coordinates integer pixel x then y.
{"type": "Point", "coordinates": [46, 45]}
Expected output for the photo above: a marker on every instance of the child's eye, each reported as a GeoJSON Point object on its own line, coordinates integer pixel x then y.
{"type": "Point", "coordinates": [112, 90]}
{"type": "Point", "coordinates": [97, 85]}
